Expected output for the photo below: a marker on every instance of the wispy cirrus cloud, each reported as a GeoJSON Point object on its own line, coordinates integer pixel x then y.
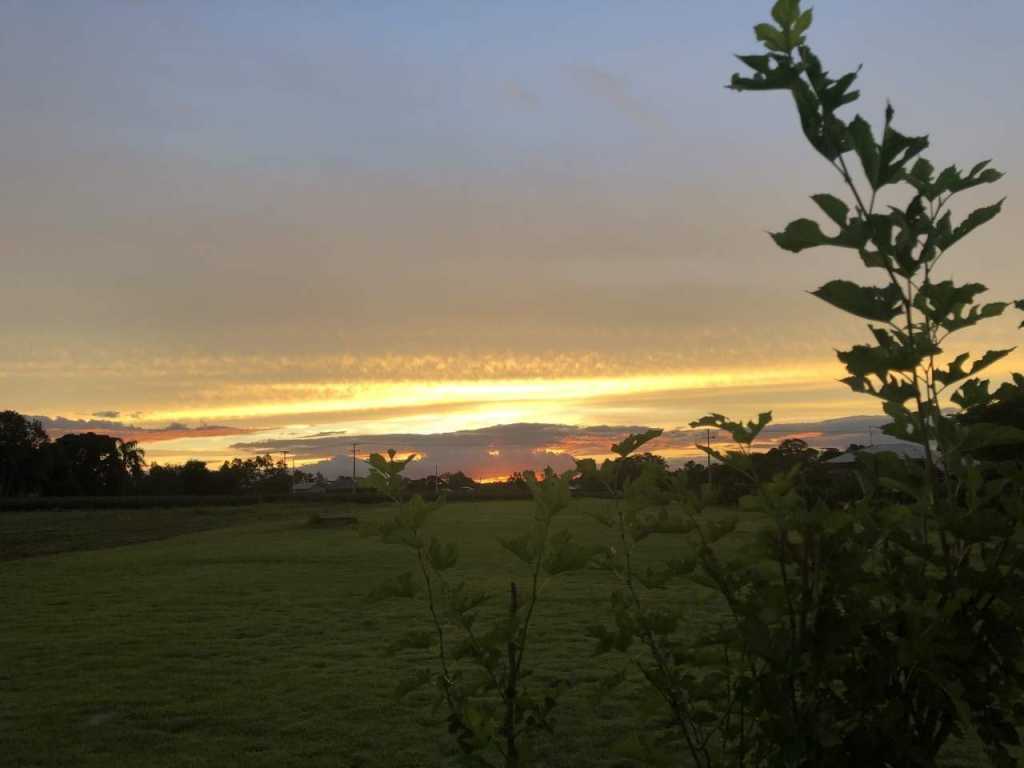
{"type": "Point", "coordinates": [615, 91]}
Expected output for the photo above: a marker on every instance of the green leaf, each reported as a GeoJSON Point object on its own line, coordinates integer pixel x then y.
{"type": "Point", "coordinates": [786, 12]}
{"type": "Point", "coordinates": [800, 234]}
{"type": "Point", "coordinates": [895, 152]}
{"type": "Point", "coordinates": [952, 181]}
{"type": "Point", "coordinates": [881, 304]}
{"type": "Point", "coordinates": [462, 600]}
{"type": "Point", "coordinates": [864, 145]}
{"type": "Point", "coordinates": [634, 441]}
{"type": "Point", "coordinates": [922, 171]}
{"type": "Point", "coordinates": [805, 233]}
{"type": "Point", "coordinates": [952, 306]}
{"type": "Point", "coordinates": [992, 356]}
{"type": "Point", "coordinates": [566, 555]}
{"type": "Point", "coordinates": [905, 425]}
{"type": "Point", "coordinates": [972, 394]}
{"type": "Point", "coordinates": [524, 547]}
{"type": "Point", "coordinates": [771, 73]}
{"type": "Point", "coordinates": [984, 435]}
{"type": "Point", "coordinates": [389, 466]}
{"type": "Point", "coordinates": [974, 220]}
{"type": "Point", "coordinates": [774, 39]}
{"type": "Point", "coordinates": [874, 259]}
{"type": "Point", "coordinates": [888, 355]}
{"type": "Point", "coordinates": [889, 387]}
{"type": "Point", "coordinates": [833, 207]}
{"type": "Point", "coordinates": [741, 433]}
{"type": "Point", "coordinates": [551, 495]}
{"type": "Point", "coordinates": [441, 556]}
{"type": "Point", "coordinates": [386, 473]}
{"type": "Point", "coordinates": [803, 21]}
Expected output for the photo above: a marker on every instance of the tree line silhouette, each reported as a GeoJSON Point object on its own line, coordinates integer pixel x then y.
{"type": "Point", "coordinates": [91, 464]}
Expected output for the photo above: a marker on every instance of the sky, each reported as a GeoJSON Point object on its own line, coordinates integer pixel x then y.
{"type": "Point", "coordinates": [232, 227]}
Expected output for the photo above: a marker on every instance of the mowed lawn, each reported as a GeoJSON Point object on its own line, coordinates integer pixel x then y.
{"type": "Point", "coordinates": [254, 644]}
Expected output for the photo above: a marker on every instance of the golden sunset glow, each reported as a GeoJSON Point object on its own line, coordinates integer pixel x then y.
{"type": "Point", "coordinates": [527, 398]}
{"type": "Point", "coordinates": [237, 408]}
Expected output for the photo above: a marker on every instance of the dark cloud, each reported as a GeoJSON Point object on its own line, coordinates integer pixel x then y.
{"type": "Point", "coordinates": [56, 426]}
{"type": "Point", "coordinates": [499, 450]}
{"type": "Point", "coordinates": [63, 425]}
{"type": "Point", "coordinates": [106, 414]}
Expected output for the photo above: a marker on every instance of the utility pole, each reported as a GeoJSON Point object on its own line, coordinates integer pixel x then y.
{"type": "Point", "coordinates": [709, 455]}
{"type": "Point", "coordinates": [437, 480]}
{"type": "Point", "coordinates": [291, 480]}
{"type": "Point", "coordinates": [354, 468]}
{"type": "Point", "coordinates": [871, 436]}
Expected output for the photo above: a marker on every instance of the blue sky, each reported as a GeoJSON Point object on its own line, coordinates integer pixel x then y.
{"type": "Point", "coordinates": [432, 86]}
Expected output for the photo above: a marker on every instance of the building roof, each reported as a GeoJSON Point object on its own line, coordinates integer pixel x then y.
{"type": "Point", "coordinates": [906, 450]}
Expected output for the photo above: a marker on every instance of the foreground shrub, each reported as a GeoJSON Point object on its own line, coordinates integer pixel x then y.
{"type": "Point", "coordinates": [873, 632]}
{"type": "Point", "coordinates": [480, 669]}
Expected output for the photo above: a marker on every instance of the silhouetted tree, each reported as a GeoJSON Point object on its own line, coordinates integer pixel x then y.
{"type": "Point", "coordinates": [517, 480]}
{"type": "Point", "coordinates": [633, 465]}
{"type": "Point", "coordinates": [197, 479]}
{"type": "Point", "coordinates": [162, 480]}
{"type": "Point", "coordinates": [86, 464]}
{"type": "Point", "coordinates": [456, 481]}
{"type": "Point", "coordinates": [21, 453]}
{"type": "Point", "coordinates": [256, 474]}
{"type": "Point", "coordinates": [133, 458]}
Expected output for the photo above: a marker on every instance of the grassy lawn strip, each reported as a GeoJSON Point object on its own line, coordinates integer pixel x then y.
{"type": "Point", "coordinates": [48, 532]}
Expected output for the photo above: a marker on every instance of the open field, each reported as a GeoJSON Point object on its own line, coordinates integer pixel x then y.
{"type": "Point", "coordinates": [46, 532]}
{"type": "Point", "coordinates": [253, 644]}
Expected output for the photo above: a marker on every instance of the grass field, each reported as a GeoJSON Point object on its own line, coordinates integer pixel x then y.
{"type": "Point", "coordinates": [250, 643]}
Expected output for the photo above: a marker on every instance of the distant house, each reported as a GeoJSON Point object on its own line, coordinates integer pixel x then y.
{"type": "Point", "coordinates": [308, 486]}
{"type": "Point", "coordinates": [342, 484]}
{"type": "Point", "coordinates": [902, 449]}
